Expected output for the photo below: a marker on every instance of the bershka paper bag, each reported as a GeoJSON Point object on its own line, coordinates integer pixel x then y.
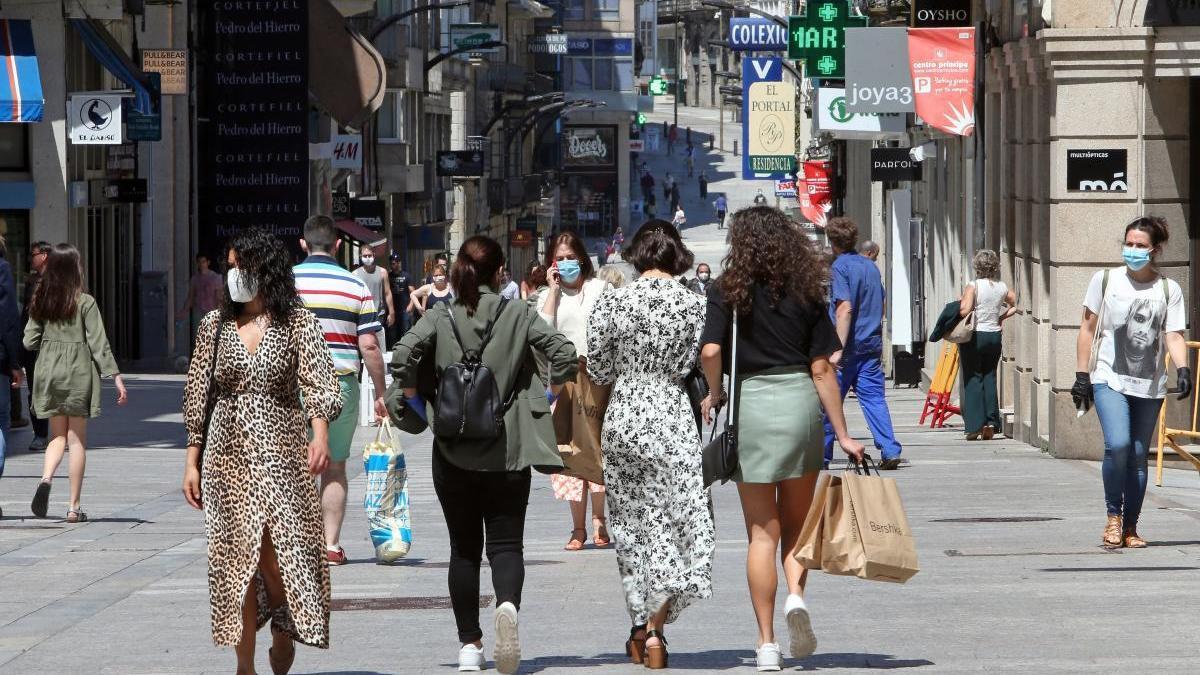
{"type": "Point", "coordinates": [889, 549]}
{"type": "Point", "coordinates": [841, 547]}
{"type": "Point", "coordinates": [808, 549]}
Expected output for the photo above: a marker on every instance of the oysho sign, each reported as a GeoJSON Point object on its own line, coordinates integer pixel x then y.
{"type": "Point", "coordinates": [941, 13]}
{"type": "Point", "coordinates": [95, 119]}
{"type": "Point", "coordinates": [756, 34]}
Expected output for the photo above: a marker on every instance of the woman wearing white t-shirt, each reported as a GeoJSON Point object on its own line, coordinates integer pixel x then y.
{"type": "Point", "coordinates": [993, 303]}
{"type": "Point", "coordinates": [572, 293]}
{"type": "Point", "coordinates": [1120, 367]}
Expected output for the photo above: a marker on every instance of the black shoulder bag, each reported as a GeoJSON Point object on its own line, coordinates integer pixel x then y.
{"type": "Point", "coordinates": [468, 405]}
{"type": "Point", "coordinates": [210, 398]}
{"type": "Point", "coordinates": [720, 457]}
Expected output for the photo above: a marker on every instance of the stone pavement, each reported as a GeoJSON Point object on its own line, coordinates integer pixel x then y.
{"type": "Point", "coordinates": [1012, 576]}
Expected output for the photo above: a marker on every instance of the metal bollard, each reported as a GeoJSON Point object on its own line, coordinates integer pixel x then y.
{"type": "Point", "coordinates": [710, 142]}
{"type": "Point", "coordinates": [735, 148]}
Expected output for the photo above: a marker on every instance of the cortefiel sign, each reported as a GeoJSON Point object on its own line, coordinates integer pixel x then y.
{"type": "Point", "coordinates": [893, 164]}
{"type": "Point", "coordinates": [756, 34]}
{"type": "Point", "coordinates": [832, 116]}
{"type": "Point", "coordinates": [941, 13]}
{"type": "Point", "coordinates": [94, 119]}
{"type": "Point", "coordinates": [877, 76]}
{"type": "Point", "coordinates": [769, 132]}
{"type": "Point", "coordinates": [1091, 170]}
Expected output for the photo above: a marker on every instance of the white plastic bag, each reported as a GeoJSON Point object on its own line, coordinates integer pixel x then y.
{"type": "Point", "coordinates": [386, 499]}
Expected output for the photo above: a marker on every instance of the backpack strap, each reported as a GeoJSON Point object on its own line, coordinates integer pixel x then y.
{"type": "Point", "coordinates": [1166, 292]}
{"type": "Point", "coordinates": [487, 332]}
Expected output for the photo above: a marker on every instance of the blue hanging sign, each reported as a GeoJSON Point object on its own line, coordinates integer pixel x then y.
{"type": "Point", "coordinates": [769, 126]}
{"type": "Point", "coordinates": [756, 34]}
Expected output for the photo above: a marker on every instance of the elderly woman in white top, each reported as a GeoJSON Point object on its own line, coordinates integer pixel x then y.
{"type": "Point", "coordinates": [572, 293]}
{"type": "Point", "coordinates": [993, 303]}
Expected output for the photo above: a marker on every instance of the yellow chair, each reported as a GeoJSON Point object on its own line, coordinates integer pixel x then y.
{"type": "Point", "coordinates": [1171, 437]}
{"type": "Point", "coordinates": [937, 401]}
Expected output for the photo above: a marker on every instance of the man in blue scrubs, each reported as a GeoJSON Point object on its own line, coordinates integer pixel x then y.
{"type": "Point", "coordinates": [856, 307]}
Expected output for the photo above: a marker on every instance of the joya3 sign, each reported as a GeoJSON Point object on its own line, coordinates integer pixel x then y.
{"type": "Point", "coordinates": [769, 133]}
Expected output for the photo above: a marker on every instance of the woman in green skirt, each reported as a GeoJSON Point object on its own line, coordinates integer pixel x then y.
{"type": "Point", "coordinates": [993, 303]}
{"type": "Point", "coordinates": [773, 283]}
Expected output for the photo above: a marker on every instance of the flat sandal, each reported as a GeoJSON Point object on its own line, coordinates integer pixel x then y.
{"type": "Point", "coordinates": [1132, 540]}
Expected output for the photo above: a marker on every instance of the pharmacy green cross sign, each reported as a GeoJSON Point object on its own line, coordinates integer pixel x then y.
{"type": "Point", "coordinates": [819, 37]}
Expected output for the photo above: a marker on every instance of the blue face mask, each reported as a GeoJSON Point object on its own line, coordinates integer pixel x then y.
{"type": "Point", "coordinates": [1136, 258]}
{"type": "Point", "coordinates": [569, 270]}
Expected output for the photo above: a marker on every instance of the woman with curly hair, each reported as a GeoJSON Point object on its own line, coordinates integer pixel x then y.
{"type": "Point", "coordinates": [66, 332]}
{"type": "Point", "coordinates": [993, 303]}
{"type": "Point", "coordinates": [260, 379]}
{"type": "Point", "coordinates": [772, 286]}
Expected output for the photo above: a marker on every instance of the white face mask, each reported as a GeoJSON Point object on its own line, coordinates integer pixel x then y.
{"type": "Point", "coordinates": [241, 290]}
{"type": "Point", "coordinates": [368, 260]}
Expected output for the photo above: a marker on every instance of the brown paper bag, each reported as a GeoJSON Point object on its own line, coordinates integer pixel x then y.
{"type": "Point", "coordinates": [841, 547]}
{"type": "Point", "coordinates": [808, 549]}
{"type": "Point", "coordinates": [889, 549]}
{"type": "Point", "coordinates": [578, 417]}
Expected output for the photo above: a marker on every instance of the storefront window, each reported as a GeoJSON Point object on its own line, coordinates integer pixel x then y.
{"type": "Point", "coordinates": [14, 227]}
{"type": "Point", "coordinates": [589, 205]}
{"type": "Point", "coordinates": [574, 10]}
{"type": "Point", "coordinates": [14, 147]}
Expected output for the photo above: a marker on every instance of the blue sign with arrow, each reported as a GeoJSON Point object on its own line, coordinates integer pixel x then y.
{"type": "Point", "coordinates": [756, 34]}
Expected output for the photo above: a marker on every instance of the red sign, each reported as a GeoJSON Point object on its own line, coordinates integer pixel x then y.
{"type": "Point", "coordinates": [814, 192]}
{"type": "Point", "coordinates": [520, 238]}
{"type": "Point", "coordinates": [942, 62]}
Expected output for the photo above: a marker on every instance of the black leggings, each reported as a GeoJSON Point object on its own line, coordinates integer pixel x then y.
{"type": "Point", "coordinates": [472, 502]}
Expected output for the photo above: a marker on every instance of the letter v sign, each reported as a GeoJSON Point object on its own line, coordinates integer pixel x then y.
{"type": "Point", "coordinates": [762, 67]}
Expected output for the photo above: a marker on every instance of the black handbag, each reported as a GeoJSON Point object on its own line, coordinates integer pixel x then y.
{"type": "Point", "coordinates": [468, 405]}
{"type": "Point", "coordinates": [720, 456]}
{"type": "Point", "coordinates": [696, 386]}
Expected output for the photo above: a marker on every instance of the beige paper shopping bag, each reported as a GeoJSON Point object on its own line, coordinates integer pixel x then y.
{"type": "Point", "coordinates": [808, 549]}
{"type": "Point", "coordinates": [889, 549]}
{"type": "Point", "coordinates": [841, 547]}
{"type": "Point", "coordinates": [578, 418]}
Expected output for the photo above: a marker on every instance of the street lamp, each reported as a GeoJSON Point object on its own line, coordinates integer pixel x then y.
{"type": "Point", "coordinates": [508, 107]}
{"type": "Point", "coordinates": [396, 18]}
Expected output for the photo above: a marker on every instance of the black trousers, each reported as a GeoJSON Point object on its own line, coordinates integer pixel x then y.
{"type": "Point", "coordinates": [475, 504]}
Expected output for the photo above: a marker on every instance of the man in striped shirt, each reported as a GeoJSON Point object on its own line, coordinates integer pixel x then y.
{"type": "Point", "coordinates": [346, 309]}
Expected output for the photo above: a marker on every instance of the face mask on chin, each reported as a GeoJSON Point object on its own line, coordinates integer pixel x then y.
{"type": "Point", "coordinates": [241, 288]}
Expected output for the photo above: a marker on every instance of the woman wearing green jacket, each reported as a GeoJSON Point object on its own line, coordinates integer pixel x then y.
{"type": "Point", "coordinates": [67, 334]}
{"type": "Point", "coordinates": [483, 485]}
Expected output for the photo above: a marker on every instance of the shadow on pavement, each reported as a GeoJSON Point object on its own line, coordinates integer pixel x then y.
{"type": "Point", "coordinates": [873, 661]}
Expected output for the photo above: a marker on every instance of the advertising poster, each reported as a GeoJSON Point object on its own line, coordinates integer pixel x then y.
{"type": "Point", "coordinates": [877, 77]}
{"type": "Point", "coordinates": [769, 132]}
{"type": "Point", "coordinates": [942, 63]}
{"type": "Point", "coordinates": [816, 195]}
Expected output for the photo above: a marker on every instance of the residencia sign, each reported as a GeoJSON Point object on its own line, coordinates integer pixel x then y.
{"type": "Point", "coordinates": [769, 134]}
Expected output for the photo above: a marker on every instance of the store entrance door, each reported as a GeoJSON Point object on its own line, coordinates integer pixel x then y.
{"type": "Point", "coordinates": [111, 259]}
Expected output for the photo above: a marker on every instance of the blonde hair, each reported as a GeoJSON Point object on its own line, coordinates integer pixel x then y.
{"type": "Point", "coordinates": [987, 265]}
{"type": "Point", "coordinates": [613, 275]}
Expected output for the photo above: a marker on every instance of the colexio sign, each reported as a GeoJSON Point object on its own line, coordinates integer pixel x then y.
{"type": "Point", "coordinates": [941, 13]}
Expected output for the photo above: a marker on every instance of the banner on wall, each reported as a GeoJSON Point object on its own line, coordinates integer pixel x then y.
{"type": "Point", "coordinates": [769, 132]}
{"type": "Point", "coordinates": [942, 62]}
{"type": "Point", "coordinates": [815, 192]}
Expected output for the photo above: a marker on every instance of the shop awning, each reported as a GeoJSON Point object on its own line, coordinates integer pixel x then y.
{"type": "Point", "coordinates": [362, 235]}
{"type": "Point", "coordinates": [20, 84]}
{"type": "Point", "coordinates": [111, 55]}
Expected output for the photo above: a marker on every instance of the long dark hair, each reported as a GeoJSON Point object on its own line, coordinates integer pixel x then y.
{"type": "Point", "coordinates": [477, 263]}
{"type": "Point", "coordinates": [765, 248]}
{"type": "Point", "coordinates": [56, 297]}
{"type": "Point", "coordinates": [266, 263]}
{"type": "Point", "coordinates": [586, 270]}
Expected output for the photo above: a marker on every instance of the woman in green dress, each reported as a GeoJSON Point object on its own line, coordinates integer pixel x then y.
{"type": "Point", "coordinates": [67, 333]}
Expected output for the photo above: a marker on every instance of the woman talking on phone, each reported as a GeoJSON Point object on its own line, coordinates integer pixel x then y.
{"type": "Point", "coordinates": [1129, 314]}
{"type": "Point", "coordinates": [571, 293]}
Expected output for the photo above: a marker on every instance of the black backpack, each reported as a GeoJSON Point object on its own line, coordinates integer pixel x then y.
{"type": "Point", "coordinates": [468, 406]}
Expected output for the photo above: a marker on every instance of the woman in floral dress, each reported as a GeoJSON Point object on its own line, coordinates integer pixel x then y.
{"type": "Point", "coordinates": [645, 337]}
{"type": "Point", "coordinates": [266, 547]}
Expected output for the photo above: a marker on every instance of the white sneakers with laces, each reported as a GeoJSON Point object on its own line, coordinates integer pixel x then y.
{"type": "Point", "coordinates": [508, 643]}
{"type": "Point", "coordinates": [769, 659]}
{"type": "Point", "coordinates": [470, 659]}
{"type": "Point", "coordinates": [800, 632]}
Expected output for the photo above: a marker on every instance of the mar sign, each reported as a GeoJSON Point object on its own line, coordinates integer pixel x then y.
{"type": "Point", "coordinates": [819, 37]}
{"type": "Point", "coordinates": [769, 111]}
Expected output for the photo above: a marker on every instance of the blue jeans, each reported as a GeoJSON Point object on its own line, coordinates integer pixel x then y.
{"type": "Point", "coordinates": [5, 421]}
{"type": "Point", "coordinates": [1128, 424]}
{"type": "Point", "coordinates": [864, 374]}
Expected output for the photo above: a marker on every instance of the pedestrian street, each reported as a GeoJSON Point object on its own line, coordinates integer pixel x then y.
{"type": "Point", "coordinates": [1012, 575]}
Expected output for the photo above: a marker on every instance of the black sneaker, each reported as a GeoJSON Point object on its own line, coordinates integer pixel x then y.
{"type": "Point", "coordinates": [890, 464]}
{"type": "Point", "coordinates": [41, 500]}
{"type": "Point", "coordinates": [38, 444]}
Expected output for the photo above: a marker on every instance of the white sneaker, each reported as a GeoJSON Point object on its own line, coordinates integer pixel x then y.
{"type": "Point", "coordinates": [470, 659]}
{"type": "Point", "coordinates": [800, 632]}
{"type": "Point", "coordinates": [769, 659]}
{"type": "Point", "coordinates": [507, 652]}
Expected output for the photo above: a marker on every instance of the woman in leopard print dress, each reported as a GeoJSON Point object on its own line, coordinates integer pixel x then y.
{"type": "Point", "coordinates": [266, 551]}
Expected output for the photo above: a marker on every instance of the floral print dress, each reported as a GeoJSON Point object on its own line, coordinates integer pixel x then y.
{"type": "Point", "coordinates": [644, 338]}
{"type": "Point", "coordinates": [255, 478]}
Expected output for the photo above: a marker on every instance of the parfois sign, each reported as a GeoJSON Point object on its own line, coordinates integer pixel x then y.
{"type": "Point", "coordinates": [769, 133]}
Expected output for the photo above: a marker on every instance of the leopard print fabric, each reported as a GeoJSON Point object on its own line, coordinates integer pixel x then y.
{"type": "Point", "coordinates": [255, 471]}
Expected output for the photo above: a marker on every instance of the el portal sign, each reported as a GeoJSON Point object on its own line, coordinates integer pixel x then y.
{"type": "Point", "coordinates": [819, 37]}
{"type": "Point", "coordinates": [769, 132]}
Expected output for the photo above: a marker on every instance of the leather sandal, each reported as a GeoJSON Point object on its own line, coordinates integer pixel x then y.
{"type": "Point", "coordinates": [578, 536]}
{"type": "Point", "coordinates": [656, 655]}
{"type": "Point", "coordinates": [1112, 533]}
{"type": "Point", "coordinates": [76, 516]}
{"type": "Point", "coordinates": [1132, 540]}
{"type": "Point", "coordinates": [283, 664]}
{"type": "Point", "coordinates": [601, 538]}
{"type": "Point", "coordinates": [635, 647]}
